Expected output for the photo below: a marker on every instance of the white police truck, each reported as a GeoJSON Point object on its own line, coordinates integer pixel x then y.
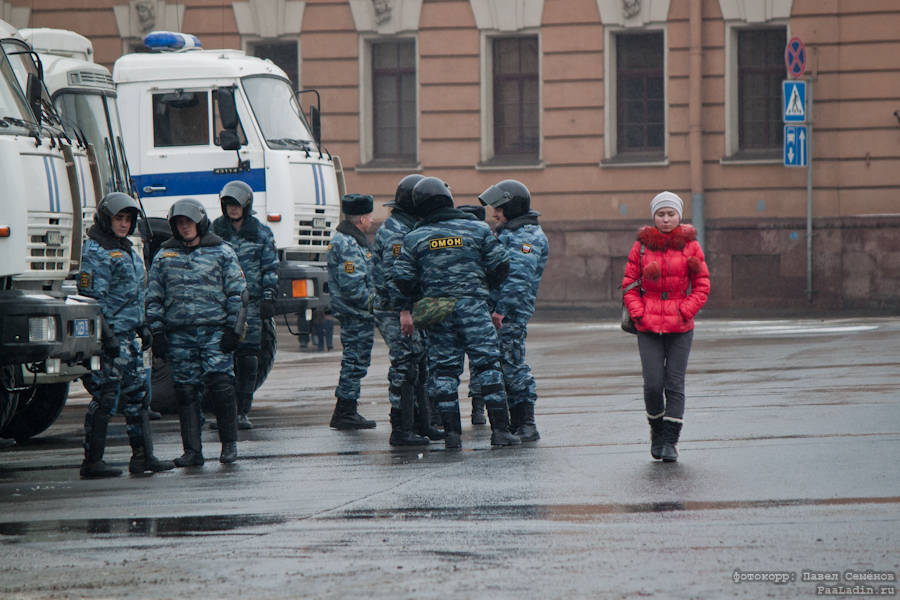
{"type": "Point", "coordinates": [196, 119]}
{"type": "Point", "coordinates": [48, 334]}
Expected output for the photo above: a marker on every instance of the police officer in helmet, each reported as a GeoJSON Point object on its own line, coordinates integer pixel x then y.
{"type": "Point", "coordinates": [113, 273]}
{"type": "Point", "coordinates": [196, 308]}
{"type": "Point", "coordinates": [254, 244]}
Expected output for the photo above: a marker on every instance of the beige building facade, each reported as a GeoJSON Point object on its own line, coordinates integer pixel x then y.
{"type": "Point", "coordinates": [597, 105]}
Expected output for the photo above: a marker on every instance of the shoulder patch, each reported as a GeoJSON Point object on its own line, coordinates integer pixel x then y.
{"type": "Point", "coordinates": [446, 242]}
{"type": "Point", "coordinates": [84, 280]}
{"type": "Point", "coordinates": [395, 250]}
{"type": "Point", "coordinates": [169, 254]}
{"type": "Point", "coordinates": [368, 255]}
{"type": "Point", "coordinates": [328, 248]}
{"type": "Point", "coordinates": [526, 248]}
{"type": "Point", "coordinates": [116, 254]}
{"type": "Point", "coordinates": [349, 267]}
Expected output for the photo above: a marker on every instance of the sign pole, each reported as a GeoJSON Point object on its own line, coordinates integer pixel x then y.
{"type": "Point", "coordinates": [809, 202]}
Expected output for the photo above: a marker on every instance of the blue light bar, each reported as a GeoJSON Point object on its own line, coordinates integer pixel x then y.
{"type": "Point", "coordinates": [171, 40]}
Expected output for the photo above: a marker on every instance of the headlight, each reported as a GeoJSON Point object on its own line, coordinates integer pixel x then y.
{"type": "Point", "coordinates": [42, 329]}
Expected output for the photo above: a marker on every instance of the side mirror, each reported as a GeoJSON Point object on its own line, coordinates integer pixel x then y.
{"type": "Point", "coordinates": [33, 91]}
{"type": "Point", "coordinates": [316, 118]}
{"type": "Point", "coordinates": [227, 108]}
{"type": "Point", "coordinates": [229, 140]}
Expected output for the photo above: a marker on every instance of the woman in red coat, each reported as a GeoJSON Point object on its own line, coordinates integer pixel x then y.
{"type": "Point", "coordinates": [674, 286]}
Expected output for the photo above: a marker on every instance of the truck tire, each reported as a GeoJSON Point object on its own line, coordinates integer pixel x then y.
{"type": "Point", "coordinates": [39, 414]}
{"type": "Point", "coordinates": [268, 345]}
{"type": "Point", "coordinates": [9, 400]}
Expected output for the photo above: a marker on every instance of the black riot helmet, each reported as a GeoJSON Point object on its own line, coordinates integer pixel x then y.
{"type": "Point", "coordinates": [429, 195]}
{"type": "Point", "coordinates": [112, 204]}
{"type": "Point", "coordinates": [237, 192]}
{"type": "Point", "coordinates": [510, 196]}
{"type": "Point", "coordinates": [193, 210]}
{"type": "Point", "coordinates": [403, 195]}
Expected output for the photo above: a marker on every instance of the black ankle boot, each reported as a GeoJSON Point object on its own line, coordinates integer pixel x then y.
{"type": "Point", "coordinates": [522, 419]}
{"type": "Point", "coordinates": [656, 436]}
{"type": "Point", "coordinates": [500, 435]}
{"type": "Point", "coordinates": [400, 434]}
{"type": "Point", "coordinates": [346, 417]}
{"type": "Point", "coordinates": [189, 418]}
{"type": "Point", "coordinates": [478, 417]}
{"type": "Point", "coordinates": [452, 428]}
{"type": "Point", "coordinates": [671, 432]}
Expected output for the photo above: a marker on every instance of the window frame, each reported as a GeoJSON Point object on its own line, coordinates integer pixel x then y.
{"type": "Point", "coordinates": [394, 76]}
{"type": "Point", "coordinates": [250, 44]}
{"type": "Point", "coordinates": [209, 133]}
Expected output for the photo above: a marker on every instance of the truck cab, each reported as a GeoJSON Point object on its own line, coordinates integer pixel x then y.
{"type": "Point", "coordinates": [48, 334]}
{"type": "Point", "coordinates": [196, 119]}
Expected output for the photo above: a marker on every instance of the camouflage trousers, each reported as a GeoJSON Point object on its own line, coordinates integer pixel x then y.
{"type": "Point", "coordinates": [253, 338]}
{"type": "Point", "coordinates": [466, 331]}
{"type": "Point", "coordinates": [195, 353]}
{"type": "Point", "coordinates": [406, 353]}
{"type": "Point", "coordinates": [127, 374]}
{"type": "Point", "coordinates": [357, 337]}
{"type": "Point", "coordinates": [517, 377]}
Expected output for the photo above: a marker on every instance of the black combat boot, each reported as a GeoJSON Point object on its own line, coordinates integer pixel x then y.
{"type": "Point", "coordinates": [522, 422]}
{"type": "Point", "coordinates": [222, 390]}
{"type": "Point", "coordinates": [671, 431]}
{"type": "Point", "coordinates": [189, 418]}
{"type": "Point", "coordinates": [425, 422]}
{"type": "Point", "coordinates": [500, 435]}
{"type": "Point", "coordinates": [245, 369]}
{"type": "Point", "coordinates": [142, 458]}
{"type": "Point", "coordinates": [96, 423]}
{"type": "Point", "coordinates": [656, 436]}
{"type": "Point", "coordinates": [478, 417]}
{"type": "Point", "coordinates": [346, 417]}
{"type": "Point", "coordinates": [402, 420]}
{"type": "Point", "coordinates": [452, 429]}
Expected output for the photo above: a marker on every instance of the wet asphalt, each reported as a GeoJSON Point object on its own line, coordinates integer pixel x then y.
{"type": "Point", "coordinates": [788, 475]}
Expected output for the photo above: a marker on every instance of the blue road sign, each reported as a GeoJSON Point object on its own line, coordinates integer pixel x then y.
{"type": "Point", "coordinates": [795, 145]}
{"type": "Point", "coordinates": [793, 95]}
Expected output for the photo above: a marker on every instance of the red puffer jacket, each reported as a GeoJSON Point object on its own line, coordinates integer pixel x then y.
{"type": "Point", "coordinates": [674, 278]}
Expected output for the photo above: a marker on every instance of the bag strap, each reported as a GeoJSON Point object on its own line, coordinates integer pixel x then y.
{"type": "Point", "coordinates": [636, 282]}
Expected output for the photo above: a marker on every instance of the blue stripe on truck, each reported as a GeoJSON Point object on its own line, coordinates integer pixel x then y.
{"type": "Point", "coordinates": [196, 183]}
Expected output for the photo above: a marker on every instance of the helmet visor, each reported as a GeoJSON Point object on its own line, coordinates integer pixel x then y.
{"type": "Point", "coordinates": [493, 196]}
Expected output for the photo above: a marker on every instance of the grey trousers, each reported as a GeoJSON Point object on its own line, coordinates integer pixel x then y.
{"type": "Point", "coordinates": [664, 359]}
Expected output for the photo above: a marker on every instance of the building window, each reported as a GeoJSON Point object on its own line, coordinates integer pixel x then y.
{"type": "Point", "coordinates": [394, 100]}
{"type": "Point", "coordinates": [760, 72]}
{"type": "Point", "coordinates": [283, 54]}
{"type": "Point", "coordinates": [640, 97]}
{"type": "Point", "coordinates": [516, 93]}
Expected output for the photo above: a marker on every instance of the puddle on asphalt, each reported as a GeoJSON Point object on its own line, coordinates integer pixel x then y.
{"type": "Point", "coordinates": [145, 527]}
{"type": "Point", "coordinates": [586, 512]}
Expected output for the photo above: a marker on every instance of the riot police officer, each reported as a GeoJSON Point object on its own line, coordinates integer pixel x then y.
{"type": "Point", "coordinates": [196, 309]}
{"type": "Point", "coordinates": [451, 260]}
{"type": "Point", "coordinates": [407, 353]}
{"type": "Point", "coordinates": [478, 417]}
{"type": "Point", "coordinates": [520, 233]}
{"type": "Point", "coordinates": [254, 244]}
{"type": "Point", "coordinates": [114, 274]}
{"type": "Point", "coordinates": [350, 285]}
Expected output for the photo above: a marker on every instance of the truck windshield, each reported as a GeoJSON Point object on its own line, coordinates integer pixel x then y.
{"type": "Point", "coordinates": [275, 107]}
{"type": "Point", "coordinates": [12, 102]}
{"type": "Point", "coordinates": [96, 116]}
{"type": "Point", "coordinates": [22, 62]}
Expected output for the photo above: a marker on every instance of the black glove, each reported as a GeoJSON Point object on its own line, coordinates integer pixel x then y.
{"type": "Point", "coordinates": [146, 337]}
{"type": "Point", "coordinates": [267, 305]}
{"type": "Point", "coordinates": [110, 345]}
{"type": "Point", "coordinates": [230, 341]}
{"type": "Point", "coordinates": [160, 344]}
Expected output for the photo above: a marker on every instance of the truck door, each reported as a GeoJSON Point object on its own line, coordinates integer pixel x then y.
{"type": "Point", "coordinates": [182, 152]}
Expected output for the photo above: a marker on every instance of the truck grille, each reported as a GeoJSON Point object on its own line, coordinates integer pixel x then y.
{"type": "Point", "coordinates": [49, 247]}
{"type": "Point", "coordinates": [314, 231]}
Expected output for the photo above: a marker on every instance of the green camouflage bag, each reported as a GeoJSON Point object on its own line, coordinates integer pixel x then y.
{"type": "Point", "coordinates": [430, 311]}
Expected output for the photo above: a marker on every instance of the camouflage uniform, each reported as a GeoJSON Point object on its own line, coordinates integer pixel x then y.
{"type": "Point", "coordinates": [528, 249]}
{"type": "Point", "coordinates": [351, 289]}
{"type": "Point", "coordinates": [113, 273]}
{"type": "Point", "coordinates": [451, 254]}
{"type": "Point", "coordinates": [254, 245]}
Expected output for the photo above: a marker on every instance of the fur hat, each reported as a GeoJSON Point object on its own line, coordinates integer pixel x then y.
{"type": "Point", "coordinates": [666, 200]}
{"type": "Point", "coordinates": [357, 204]}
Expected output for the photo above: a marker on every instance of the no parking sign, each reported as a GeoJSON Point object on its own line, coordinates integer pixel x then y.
{"type": "Point", "coordinates": [795, 57]}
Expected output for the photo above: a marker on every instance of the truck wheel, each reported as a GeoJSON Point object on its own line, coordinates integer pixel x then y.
{"type": "Point", "coordinates": [162, 388]}
{"type": "Point", "coordinates": [268, 344]}
{"type": "Point", "coordinates": [8, 400]}
{"type": "Point", "coordinates": [39, 414]}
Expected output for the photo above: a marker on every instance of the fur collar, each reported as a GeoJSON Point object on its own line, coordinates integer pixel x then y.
{"type": "Point", "coordinates": [107, 240]}
{"type": "Point", "coordinates": [348, 228]}
{"type": "Point", "coordinates": [655, 239]}
{"type": "Point", "coordinates": [529, 218]}
{"type": "Point", "coordinates": [206, 240]}
{"type": "Point", "coordinates": [223, 228]}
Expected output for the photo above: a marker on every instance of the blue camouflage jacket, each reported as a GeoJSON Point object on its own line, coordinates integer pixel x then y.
{"type": "Point", "coordinates": [254, 245]}
{"type": "Point", "coordinates": [388, 243]}
{"type": "Point", "coordinates": [191, 287]}
{"type": "Point", "coordinates": [449, 254]}
{"type": "Point", "coordinates": [528, 249]}
{"type": "Point", "coordinates": [350, 271]}
{"type": "Point", "coordinates": [113, 273]}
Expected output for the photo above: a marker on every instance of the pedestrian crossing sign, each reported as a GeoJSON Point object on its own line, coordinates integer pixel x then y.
{"type": "Point", "coordinates": [794, 96]}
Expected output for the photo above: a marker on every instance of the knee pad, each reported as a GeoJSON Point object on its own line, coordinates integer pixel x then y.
{"type": "Point", "coordinates": [218, 383]}
{"type": "Point", "coordinates": [185, 394]}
